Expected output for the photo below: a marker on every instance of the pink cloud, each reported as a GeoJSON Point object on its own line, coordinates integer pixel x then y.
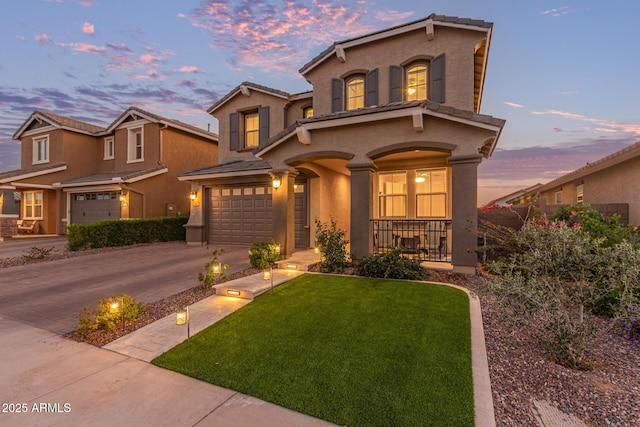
{"type": "Point", "coordinates": [86, 47]}
{"type": "Point", "coordinates": [600, 123]}
{"type": "Point", "coordinates": [87, 3]}
{"type": "Point", "coordinates": [43, 38]}
{"type": "Point", "coordinates": [393, 15]}
{"type": "Point", "coordinates": [513, 104]}
{"type": "Point", "coordinates": [88, 28]}
{"type": "Point", "coordinates": [188, 69]}
{"type": "Point", "coordinates": [556, 12]}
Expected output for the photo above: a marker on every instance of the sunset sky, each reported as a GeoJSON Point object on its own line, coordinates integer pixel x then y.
{"type": "Point", "coordinates": [564, 74]}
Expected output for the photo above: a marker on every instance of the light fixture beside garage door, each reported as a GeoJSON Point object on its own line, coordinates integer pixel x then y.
{"type": "Point", "coordinates": [277, 181]}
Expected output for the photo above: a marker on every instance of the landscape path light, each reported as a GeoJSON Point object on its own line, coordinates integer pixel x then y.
{"type": "Point", "coordinates": [182, 318]}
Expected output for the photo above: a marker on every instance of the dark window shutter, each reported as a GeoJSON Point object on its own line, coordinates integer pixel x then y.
{"type": "Point", "coordinates": [336, 95]}
{"type": "Point", "coordinates": [395, 83]}
{"type": "Point", "coordinates": [234, 132]}
{"type": "Point", "coordinates": [263, 121]}
{"type": "Point", "coordinates": [436, 91]}
{"type": "Point", "coordinates": [371, 88]}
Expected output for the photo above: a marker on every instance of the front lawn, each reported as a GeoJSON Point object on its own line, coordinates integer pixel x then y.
{"type": "Point", "coordinates": [353, 351]}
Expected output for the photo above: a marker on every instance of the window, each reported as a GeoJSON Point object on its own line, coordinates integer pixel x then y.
{"type": "Point", "coordinates": [393, 194]}
{"type": "Point", "coordinates": [580, 193]}
{"type": "Point", "coordinates": [355, 93]}
{"type": "Point", "coordinates": [136, 145]}
{"type": "Point", "coordinates": [307, 112]}
{"type": "Point", "coordinates": [416, 82]}
{"type": "Point", "coordinates": [431, 193]}
{"type": "Point", "coordinates": [32, 205]}
{"type": "Point", "coordinates": [108, 148]}
{"type": "Point", "coordinates": [41, 149]}
{"type": "Point", "coordinates": [558, 197]}
{"type": "Point", "coordinates": [251, 130]}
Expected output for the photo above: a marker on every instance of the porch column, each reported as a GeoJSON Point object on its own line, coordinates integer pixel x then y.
{"type": "Point", "coordinates": [283, 208]}
{"type": "Point", "coordinates": [464, 200]}
{"type": "Point", "coordinates": [195, 226]}
{"type": "Point", "coordinates": [361, 208]}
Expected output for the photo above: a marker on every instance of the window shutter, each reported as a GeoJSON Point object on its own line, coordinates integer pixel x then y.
{"type": "Point", "coordinates": [437, 79]}
{"type": "Point", "coordinates": [263, 121]}
{"type": "Point", "coordinates": [234, 132]}
{"type": "Point", "coordinates": [395, 83]}
{"type": "Point", "coordinates": [371, 88]}
{"type": "Point", "coordinates": [336, 95]}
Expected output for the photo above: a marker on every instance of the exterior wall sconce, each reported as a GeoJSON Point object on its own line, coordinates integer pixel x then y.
{"type": "Point", "coordinates": [276, 182]}
{"type": "Point", "coordinates": [123, 197]}
{"type": "Point", "coordinates": [182, 318]}
{"type": "Point", "coordinates": [193, 195]}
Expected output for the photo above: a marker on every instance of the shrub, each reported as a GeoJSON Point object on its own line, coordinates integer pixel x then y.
{"type": "Point", "coordinates": [110, 313]}
{"type": "Point", "coordinates": [210, 275]}
{"type": "Point", "coordinates": [36, 253]}
{"type": "Point", "coordinates": [125, 232]}
{"type": "Point", "coordinates": [557, 273]}
{"type": "Point", "coordinates": [263, 254]}
{"type": "Point", "coordinates": [391, 265]}
{"type": "Point", "coordinates": [632, 326]}
{"type": "Point", "coordinates": [333, 247]}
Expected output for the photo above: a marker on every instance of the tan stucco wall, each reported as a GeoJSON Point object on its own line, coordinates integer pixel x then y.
{"type": "Point", "coordinates": [239, 103]}
{"type": "Point", "coordinates": [458, 46]}
{"type": "Point", "coordinates": [294, 111]}
{"type": "Point", "coordinates": [616, 184]}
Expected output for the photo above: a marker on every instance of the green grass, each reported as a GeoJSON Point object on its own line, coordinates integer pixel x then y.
{"type": "Point", "coordinates": [353, 351]}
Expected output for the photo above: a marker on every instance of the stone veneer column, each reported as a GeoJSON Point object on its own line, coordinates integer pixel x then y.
{"type": "Point", "coordinates": [361, 208]}
{"type": "Point", "coordinates": [283, 208]}
{"type": "Point", "coordinates": [8, 214]}
{"type": "Point", "coordinates": [464, 191]}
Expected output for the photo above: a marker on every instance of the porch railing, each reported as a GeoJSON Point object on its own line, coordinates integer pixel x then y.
{"type": "Point", "coordinates": [428, 240]}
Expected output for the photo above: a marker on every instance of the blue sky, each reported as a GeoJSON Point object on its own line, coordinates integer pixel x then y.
{"type": "Point", "coordinates": [562, 73]}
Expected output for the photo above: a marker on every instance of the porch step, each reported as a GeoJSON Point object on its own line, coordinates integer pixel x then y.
{"type": "Point", "coordinates": [250, 287]}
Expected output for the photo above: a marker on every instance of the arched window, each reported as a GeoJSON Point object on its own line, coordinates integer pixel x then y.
{"type": "Point", "coordinates": [416, 82]}
{"type": "Point", "coordinates": [355, 93]}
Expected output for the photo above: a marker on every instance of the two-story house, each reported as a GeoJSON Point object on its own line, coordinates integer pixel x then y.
{"type": "Point", "coordinates": [387, 143]}
{"type": "Point", "coordinates": [76, 173]}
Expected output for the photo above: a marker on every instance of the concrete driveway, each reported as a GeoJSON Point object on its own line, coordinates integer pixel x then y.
{"type": "Point", "coordinates": [51, 294]}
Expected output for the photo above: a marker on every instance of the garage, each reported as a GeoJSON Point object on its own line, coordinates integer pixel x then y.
{"type": "Point", "coordinates": [87, 208]}
{"type": "Point", "coordinates": [240, 214]}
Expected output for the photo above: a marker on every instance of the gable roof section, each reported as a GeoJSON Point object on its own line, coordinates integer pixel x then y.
{"type": "Point", "coordinates": [433, 19]}
{"type": "Point", "coordinates": [628, 153]}
{"type": "Point", "coordinates": [137, 113]}
{"type": "Point", "coordinates": [19, 174]}
{"type": "Point", "coordinates": [242, 88]}
{"type": "Point", "coordinates": [122, 177]}
{"type": "Point", "coordinates": [234, 168]}
{"type": "Point", "coordinates": [389, 111]}
{"type": "Point", "coordinates": [58, 122]}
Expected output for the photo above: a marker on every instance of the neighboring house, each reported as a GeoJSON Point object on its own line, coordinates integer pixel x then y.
{"type": "Point", "coordinates": [388, 144]}
{"type": "Point", "coordinates": [76, 173]}
{"type": "Point", "coordinates": [609, 181]}
{"type": "Point", "coordinates": [504, 200]}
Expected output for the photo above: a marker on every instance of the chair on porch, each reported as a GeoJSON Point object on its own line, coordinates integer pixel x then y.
{"type": "Point", "coordinates": [27, 226]}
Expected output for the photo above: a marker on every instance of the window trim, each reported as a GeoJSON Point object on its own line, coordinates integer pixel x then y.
{"type": "Point", "coordinates": [255, 132]}
{"type": "Point", "coordinates": [360, 97]}
{"type": "Point", "coordinates": [132, 144]}
{"type": "Point", "coordinates": [109, 148]}
{"type": "Point", "coordinates": [33, 205]}
{"type": "Point", "coordinates": [382, 197]}
{"type": "Point", "coordinates": [580, 194]}
{"type": "Point", "coordinates": [558, 197]}
{"type": "Point", "coordinates": [406, 87]}
{"type": "Point", "coordinates": [305, 110]}
{"type": "Point", "coordinates": [36, 160]}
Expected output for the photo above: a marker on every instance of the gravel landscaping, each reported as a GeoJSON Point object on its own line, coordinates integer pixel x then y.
{"type": "Point", "coordinates": [520, 370]}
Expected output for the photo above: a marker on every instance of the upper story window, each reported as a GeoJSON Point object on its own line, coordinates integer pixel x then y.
{"type": "Point", "coordinates": [580, 193]}
{"type": "Point", "coordinates": [135, 149]}
{"type": "Point", "coordinates": [307, 112]}
{"type": "Point", "coordinates": [251, 130]}
{"type": "Point", "coordinates": [109, 150]}
{"type": "Point", "coordinates": [32, 205]}
{"type": "Point", "coordinates": [393, 194]}
{"type": "Point", "coordinates": [248, 129]}
{"type": "Point", "coordinates": [431, 193]}
{"type": "Point", "coordinates": [355, 93]}
{"type": "Point", "coordinates": [416, 82]}
{"type": "Point", "coordinates": [41, 149]}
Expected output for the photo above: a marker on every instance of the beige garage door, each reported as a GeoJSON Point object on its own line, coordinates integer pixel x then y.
{"type": "Point", "coordinates": [240, 215]}
{"type": "Point", "coordinates": [87, 208]}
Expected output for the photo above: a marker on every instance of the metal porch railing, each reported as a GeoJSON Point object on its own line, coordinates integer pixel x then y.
{"type": "Point", "coordinates": [428, 240]}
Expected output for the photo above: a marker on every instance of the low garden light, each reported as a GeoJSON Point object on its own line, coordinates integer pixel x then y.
{"type": "Point", "coordinates": [114, 306]}
{"type": "Point", "coordinates": [266, 274]}
{"type": "Point", "coordinates": [278, 249]}
{"type": "Point", "coordinates": [182, 318]}
{"type": "Point", "coordinates": [216, 268]}
{"type": "Point", "coordinates": [316, 250]}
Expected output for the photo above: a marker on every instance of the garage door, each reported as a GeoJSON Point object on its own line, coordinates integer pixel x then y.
{"type": "Point", "coordinates": [87, 208]}
{"type": "Point", "coordinates": [240, 215]}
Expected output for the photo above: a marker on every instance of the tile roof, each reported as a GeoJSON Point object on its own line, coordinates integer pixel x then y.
{"type": "Point", "coordinates": [113, 176]}
{"type": "Point", "coordinates": [256, 86]}
{"type": "Point", "coordinates": [437, 18]}
{"type": "Point", "coordinates": [60, 122]}
{"type": "Point", "coordinates": [7, 175]}
{"type": "Point", "coordinates": [229, 167]}
{"type": "Point", "coordinates": [158, 118]}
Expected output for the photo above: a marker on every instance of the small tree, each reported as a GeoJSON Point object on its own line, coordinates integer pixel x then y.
{"type": "Point", "coordinates": [333, 246]}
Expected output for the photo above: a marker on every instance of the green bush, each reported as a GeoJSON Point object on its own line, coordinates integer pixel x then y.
{"type": "Point", "coordinates": [110, 313]}
{"type": "Point", "coordinates": [263, 254]}
{"type": "Point", "coordinates": [125, 232]}
{"type": "Point", "coordinates": [333, 246]}
{"type": "Point", "coordinates": [391, 265]}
